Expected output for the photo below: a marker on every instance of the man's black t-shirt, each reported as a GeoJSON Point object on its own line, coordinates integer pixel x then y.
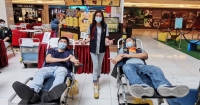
{"type": "Point", "coordinates": [6, 32]}
{"type": "Point", "coordinates": [57, 54]}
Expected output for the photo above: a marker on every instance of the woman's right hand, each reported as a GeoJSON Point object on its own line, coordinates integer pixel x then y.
{"type": "Point", "coordinates": [83, 42]}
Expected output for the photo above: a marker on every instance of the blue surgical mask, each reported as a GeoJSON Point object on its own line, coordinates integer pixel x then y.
{"type": "Point", "coordinates": [129, 44]}
{"type": "Point", "coordinates": [62, 46]}
{"type": "Point", "coordinates": [98, 19]}
{"type": "Point", "coordinates": [2, 25]}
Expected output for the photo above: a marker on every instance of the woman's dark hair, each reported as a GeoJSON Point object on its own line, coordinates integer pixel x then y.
{"type": "Point", "coordinates": [93, 25]}
{"type": "Point", "coordinates": [66, 40]}
{"type": "Point", "coordinates": [54, 16]}
{"type": "Point", "coordinates": [78, 8]}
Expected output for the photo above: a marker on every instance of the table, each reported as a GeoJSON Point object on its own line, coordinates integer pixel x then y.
{"type": "Point", "coordinates": [29, 31]}
{"type": "Point", "coordinates": [193, 46]}
{"type": "Point", "coordinates": [3, 53]}
{"type": "Point", "coordinates": [83, 54]}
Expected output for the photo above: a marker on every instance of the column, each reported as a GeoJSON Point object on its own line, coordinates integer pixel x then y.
{"type": "Point", "coordinates": [120, 11]}
{"type": "Point", "coordinates": [7, 12]}
{"type": "Point", "coordinates": [45, 14]}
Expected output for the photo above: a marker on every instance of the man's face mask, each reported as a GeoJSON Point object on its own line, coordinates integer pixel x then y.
{"type": "Point", "coordinates": [62, 45]}
{"type": "Point", "coordinates": [2, 25]}
{"type": "Point", "coordinates": [129, 44]}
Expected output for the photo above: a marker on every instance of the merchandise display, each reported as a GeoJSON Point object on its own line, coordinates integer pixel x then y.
{"type": "Point", "coordinates": [158, 17]}
{"type": "Point", "coordinates": [113, 23]}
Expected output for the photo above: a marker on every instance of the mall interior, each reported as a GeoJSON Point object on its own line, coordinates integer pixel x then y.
{"type": "Point", "coordinates": [163, 34]}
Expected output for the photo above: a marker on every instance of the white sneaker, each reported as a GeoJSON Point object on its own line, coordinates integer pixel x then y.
{"type": "Point", "coordinates": [139, 91]}
{"type": "Point", "coordinates": [176, 91]}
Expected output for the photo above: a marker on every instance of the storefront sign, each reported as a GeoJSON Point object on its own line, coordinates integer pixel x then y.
{"type": "Point", "coordinates": [114, 3]}
{"type": "Point", "coordinates": [73, 2]}
{"type": "Point", "coordinates": [27, 6]}
{"type": "Point", "coordinates": [92, 2]}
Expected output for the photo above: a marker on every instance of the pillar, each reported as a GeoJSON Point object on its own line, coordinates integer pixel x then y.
{"type": "Point", "coordinates": [45, 14]}
{"type": "Point", "coordinates": [7, 12]}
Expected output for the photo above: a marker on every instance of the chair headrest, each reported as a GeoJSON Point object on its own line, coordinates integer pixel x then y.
{"type": "Point", "coordinates": [134, 39]}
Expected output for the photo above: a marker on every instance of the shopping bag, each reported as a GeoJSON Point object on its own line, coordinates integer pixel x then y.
{"type": "Point", "coordinates": [141, 101]}
{"type": "Point", "coordinates": [74, 89]}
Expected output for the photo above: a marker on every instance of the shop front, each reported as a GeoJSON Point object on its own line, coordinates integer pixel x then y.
{"type": "Point", "coordinates": [76, 27]}
{"type": "Point", "coordinates": [27, 13]}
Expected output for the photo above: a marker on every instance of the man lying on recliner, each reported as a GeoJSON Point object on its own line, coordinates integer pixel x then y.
{"type": "Point", "coordinates": [57, 65]}
{"type": "Point", "coordinates": [135, 65]}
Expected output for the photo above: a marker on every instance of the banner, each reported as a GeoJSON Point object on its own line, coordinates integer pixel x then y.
{"type": "Point", "coordinates": [113, 3]}
{"type": "Point", "coordinates": [73, 2]}
{"type": "Point", "coordinates": [178, 23]}
{"type": "Point", "coordinates": [92, 2]}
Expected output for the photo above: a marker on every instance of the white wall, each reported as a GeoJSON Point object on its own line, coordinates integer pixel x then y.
{"type": "Point", "coordinates": [118, 11]}
{"type": "Point", "coordinates": [7, 11]}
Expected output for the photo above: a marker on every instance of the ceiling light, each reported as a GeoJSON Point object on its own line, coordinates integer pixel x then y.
{"type": "Point", "coordinates": [181, 6]}
{"type": "Point", "coordinates": [39, 1]}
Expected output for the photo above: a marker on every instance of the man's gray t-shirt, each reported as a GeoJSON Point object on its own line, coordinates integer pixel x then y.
{"type": "Point", "coordinates": [132, 60]}
{"type": "Point", "coordinates": [98, 36]}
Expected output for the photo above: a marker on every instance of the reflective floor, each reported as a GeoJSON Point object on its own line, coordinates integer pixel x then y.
{"type": "Point", "coordinates": [178, 68]}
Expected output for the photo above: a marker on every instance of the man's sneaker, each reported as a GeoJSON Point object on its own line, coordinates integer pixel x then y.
{"type": "Point", "coordinates": [139, 91]}
{"type": "Point", "coordinates": [176, 91]}
{"type": "Point", "coordinates": [25, 92]}
{"type": "Point", "coordinates": [96, 92]}
{"type": "Point", "coordinates": [55, 93]}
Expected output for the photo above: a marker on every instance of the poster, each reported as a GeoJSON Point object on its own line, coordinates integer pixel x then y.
{"type": "Point", "coordinates": [174, 14]}
{"type": "Point", "coordinates": [164, 23]}
{"type": "Point", "coordinates": [148, 22]}
{"type": "Point", "coordinates": [192, 15]}
{"type": "Point", "coordinates": [92, 2]}
{"type": "Point", "coordinates": [73, 2]}
{"type": "Point", "coordinates": [148, 13]}
{"type": "Point", "coordinates": [183, 14]}
{"type": "Point", "coordinates": [84, 21]}
{"type": "Point", "coordinates": [178, 23]}
{"type": "Point", "coordinates": [114, 3]}
{"type": "Point", "coordinates": [156, 23]}
{"type": "Point", "coordinates": [189, 24]}
{"type": "Point", "coordinates": [157, 14]}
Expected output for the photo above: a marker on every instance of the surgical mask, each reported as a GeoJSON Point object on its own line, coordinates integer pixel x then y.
{"type": "Point", "coordinates": [98, 19]}
{"type": "Point", "coordinates": [2, 25]}
{"type": "Point", "coordinates": [129, 44]}
{"type": "Point", "coordinates": [62, 46]}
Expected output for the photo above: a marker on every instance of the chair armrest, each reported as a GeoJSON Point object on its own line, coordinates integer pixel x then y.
{"type": "Point", "coordinates": [81, 65]}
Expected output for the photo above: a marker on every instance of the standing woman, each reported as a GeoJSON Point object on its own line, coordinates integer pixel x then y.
{"type": "Point", "coordinates": [54, 24]}
{"type": "Point", "coordinates": [98, 37]}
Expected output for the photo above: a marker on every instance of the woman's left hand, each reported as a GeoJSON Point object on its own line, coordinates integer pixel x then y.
{"type": "Point", "coordinates": [110, 42]}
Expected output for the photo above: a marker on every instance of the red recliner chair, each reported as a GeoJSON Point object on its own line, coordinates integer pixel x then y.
{"type": "Point", "coordinates": [16, 35]}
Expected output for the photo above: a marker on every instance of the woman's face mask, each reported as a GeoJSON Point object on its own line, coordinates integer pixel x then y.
{"type": "Point", "coordinates": [62, 46]}
{"type": "Point", "coordinates": [129, 44]}
{"type": "Point", "coordinates": [98, 19]}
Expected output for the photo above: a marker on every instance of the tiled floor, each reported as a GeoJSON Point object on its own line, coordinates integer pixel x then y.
{"type": "Point", "coordinates": [172, 62]}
